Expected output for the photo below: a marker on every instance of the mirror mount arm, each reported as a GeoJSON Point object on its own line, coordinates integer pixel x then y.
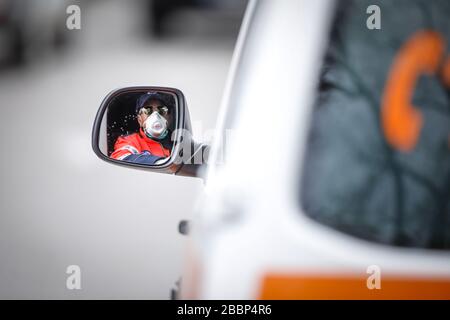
{"type": "Point", "coordinates": [196, 165]}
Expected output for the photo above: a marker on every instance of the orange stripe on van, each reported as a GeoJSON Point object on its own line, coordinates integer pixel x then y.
{"type": "Point", "coordinates": [344, 287]}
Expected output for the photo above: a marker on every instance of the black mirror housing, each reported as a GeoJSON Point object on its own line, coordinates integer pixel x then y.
{"type": "Point", "coordinates": [125, 126]}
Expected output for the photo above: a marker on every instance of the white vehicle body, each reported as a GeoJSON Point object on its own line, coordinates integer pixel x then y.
{"type": "Point", "coordinates": [249, 223]}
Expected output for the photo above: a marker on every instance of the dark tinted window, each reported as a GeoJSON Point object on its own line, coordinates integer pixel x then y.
{"type": "Point", "coordinates": [377, 164]}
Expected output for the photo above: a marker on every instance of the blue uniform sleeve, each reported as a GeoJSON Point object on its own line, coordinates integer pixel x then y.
{"type": "Point", "coordinates": [143, 158]}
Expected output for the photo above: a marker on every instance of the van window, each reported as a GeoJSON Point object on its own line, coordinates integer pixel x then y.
{"type": "Point", "coordinates": [377, 161]}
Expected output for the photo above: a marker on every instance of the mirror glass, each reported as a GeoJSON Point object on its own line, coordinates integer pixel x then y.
{"type": "Point", "coordinates": [137, 127]}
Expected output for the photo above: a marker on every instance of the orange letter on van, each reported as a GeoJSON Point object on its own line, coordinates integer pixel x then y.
{"type": "Point", "coordinates": [401, 121]}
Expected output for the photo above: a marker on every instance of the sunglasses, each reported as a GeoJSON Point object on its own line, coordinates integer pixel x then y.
{"type": "Point", "coordinates": [148, 110]}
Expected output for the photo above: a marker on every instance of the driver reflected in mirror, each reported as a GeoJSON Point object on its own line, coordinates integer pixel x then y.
{"type": "Point", "coordinates": [152, 144]}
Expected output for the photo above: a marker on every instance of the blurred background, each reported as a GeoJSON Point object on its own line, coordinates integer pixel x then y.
{"type": "Point", "coordinates": [60, 205]}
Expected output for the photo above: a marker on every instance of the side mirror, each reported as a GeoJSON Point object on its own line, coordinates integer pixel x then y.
{"type": "Point", "coordinates": [147, 128]}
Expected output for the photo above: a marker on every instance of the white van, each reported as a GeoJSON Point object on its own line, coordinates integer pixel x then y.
{"type": "Point", "coordinates": [329, 174]}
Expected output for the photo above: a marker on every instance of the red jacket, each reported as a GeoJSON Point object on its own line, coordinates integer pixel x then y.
{"type": "Point", "coordinates": [137, 143]}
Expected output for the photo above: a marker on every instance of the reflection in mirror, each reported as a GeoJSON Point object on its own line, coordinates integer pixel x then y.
{"type": "Point", "coordinates": [139, 126]}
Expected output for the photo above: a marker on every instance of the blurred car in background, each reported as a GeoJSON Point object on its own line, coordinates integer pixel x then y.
{"type": "Point", "coordinates": [334, 180]}
{"type": "Point", "coordinates": [30, 29]}
{"type": "Point", "coordinates": [160, 11]}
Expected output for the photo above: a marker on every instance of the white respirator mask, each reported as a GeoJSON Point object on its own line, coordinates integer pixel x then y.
{"type": "Point", "coordinates": [155, 126]}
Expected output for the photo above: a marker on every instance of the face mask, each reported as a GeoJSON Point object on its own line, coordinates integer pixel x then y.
{"type": "Point", "coordinates": [155, 126]}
